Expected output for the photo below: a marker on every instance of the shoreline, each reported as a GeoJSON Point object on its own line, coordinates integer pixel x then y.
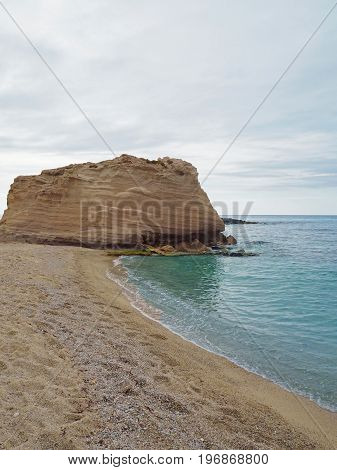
{"type": "Point", "coordinates": [297, 409]}
{"type": "Point", "coordinates": [157, 312]}
{"type": "Point", "coordinates": [111, 378]}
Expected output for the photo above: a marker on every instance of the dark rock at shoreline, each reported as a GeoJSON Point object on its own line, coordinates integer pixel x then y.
{"type": "Point", "coordinates": [230, 240]}
{"type": "Point", "coordinates": [194, 247]}
{"type": "Point", "coordinates": [238, 253]}
{"type": "Point", "coordinates": [223, 241]}
{"type": "Point", "coordinates": [230, 221]}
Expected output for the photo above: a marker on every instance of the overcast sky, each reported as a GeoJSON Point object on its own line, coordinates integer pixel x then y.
{"type": "Point", "coordinates": [177, 78]}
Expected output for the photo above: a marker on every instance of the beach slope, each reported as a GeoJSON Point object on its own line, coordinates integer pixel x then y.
{"type": "Point", "coordinates": [81, 368]}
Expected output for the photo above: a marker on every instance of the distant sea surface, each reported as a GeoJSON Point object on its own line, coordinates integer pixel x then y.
{"type": "Point", "coordinates": [274, 314]}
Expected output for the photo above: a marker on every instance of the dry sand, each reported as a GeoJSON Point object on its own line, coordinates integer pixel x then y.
{"type": "Point", "coordinates": [80, 368]}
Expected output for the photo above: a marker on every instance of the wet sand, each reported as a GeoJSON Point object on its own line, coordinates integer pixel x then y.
{"type": "Point", "coordinates": [81, 368]}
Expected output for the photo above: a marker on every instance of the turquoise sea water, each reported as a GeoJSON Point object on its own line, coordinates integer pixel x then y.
{"type": "Point", "coordinates": [274, 314]}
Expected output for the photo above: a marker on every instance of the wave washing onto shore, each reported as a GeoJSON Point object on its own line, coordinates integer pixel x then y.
{"type": "Point", "coordinates": [273, 314]}
{"type": "Point", "coordinates": [120, 277]}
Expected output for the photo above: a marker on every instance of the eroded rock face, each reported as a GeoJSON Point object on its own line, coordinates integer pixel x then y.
{"type": "Point", "coordinates": [126, 201]}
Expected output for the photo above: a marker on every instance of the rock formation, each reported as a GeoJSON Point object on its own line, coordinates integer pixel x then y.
{"type": "Point", "coordinates": [230, 240]}
{"type": "Point", "coordinates": [231, 221]}
{"type": "Point", "coordinates": [123, 202]}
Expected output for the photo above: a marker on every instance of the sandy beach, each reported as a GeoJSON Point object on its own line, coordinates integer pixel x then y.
{"type": "Point", "coordinates": [80, 368]}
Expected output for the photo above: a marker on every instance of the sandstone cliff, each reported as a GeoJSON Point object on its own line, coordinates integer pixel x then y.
{"type": "Point", "coordinates": [126, 201]}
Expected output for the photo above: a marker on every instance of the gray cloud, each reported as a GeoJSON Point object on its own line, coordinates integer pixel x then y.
{"type": "Point", "coordinates": [175, 78]}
